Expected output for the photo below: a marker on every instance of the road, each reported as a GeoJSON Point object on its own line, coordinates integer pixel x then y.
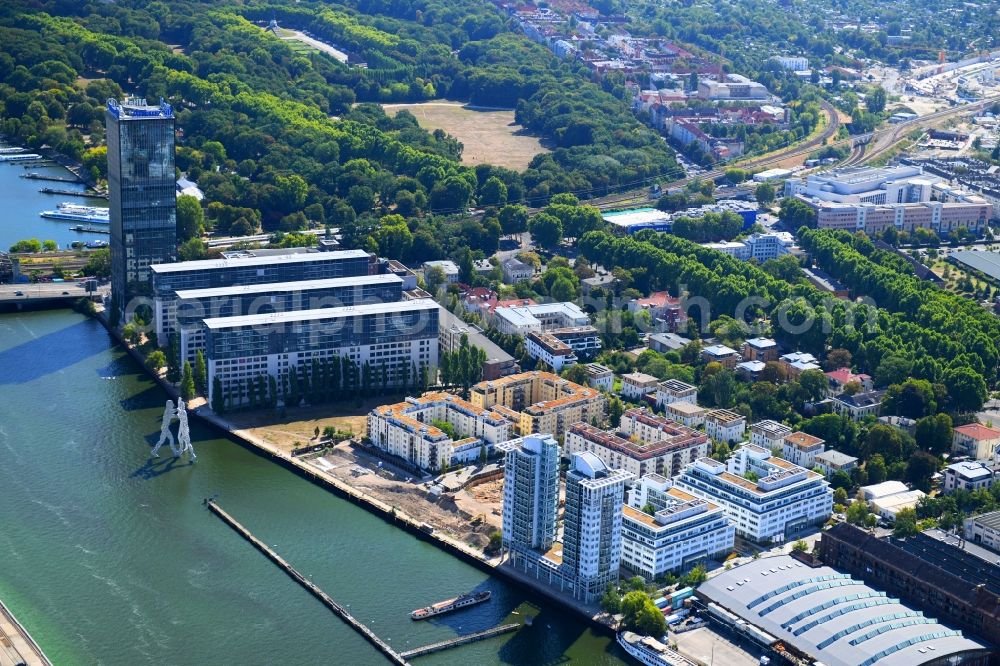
{"type": "Point", "coordinates": [41, 291]}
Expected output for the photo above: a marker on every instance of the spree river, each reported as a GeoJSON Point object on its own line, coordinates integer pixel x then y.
{"type": "Point", "coordinates": [109, 559]}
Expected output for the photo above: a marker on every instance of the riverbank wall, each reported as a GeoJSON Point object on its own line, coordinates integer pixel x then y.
{"type": "Point", "coordinates": [386, 512]}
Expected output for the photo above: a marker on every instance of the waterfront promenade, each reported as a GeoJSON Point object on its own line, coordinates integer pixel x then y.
{"type": "Point", "coordinates": [16, 644]}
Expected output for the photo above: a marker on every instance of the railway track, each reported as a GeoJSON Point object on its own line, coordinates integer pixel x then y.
{"type": "Point", "coordinates": [871, 146]}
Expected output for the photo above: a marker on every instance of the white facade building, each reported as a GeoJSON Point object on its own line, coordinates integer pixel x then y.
{"type": "Point", "coordinates": [600, 377]}
{"type": "Point", "coordinates": [637, 384]}
{"type": "Point", "coordinates": [530, 492]}
{"type": "Point", "coordinates": [769, 435]}
{"type": "Point", "coordinates": [407, 430]}
{"type": "Point", "coordinates": [783, 499]}
{"type": "Point", "coordinates": [968, 476]}
{"type": "Point", "coordinates": [672, 390]}
{"type": "Point", "coordinates": [682, 530]}
{"type": "Point", "coordinates": [802, 448]}
{"type": "Point", "coordinates": [592, 525]}
{"type": "Point", "coordinates": [723, 425]}
{"type": "Point", "coordinates": [520, 320]}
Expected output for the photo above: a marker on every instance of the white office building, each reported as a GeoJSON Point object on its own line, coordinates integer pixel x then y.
{"type": "Point", "coordinates": [521, 320]}
{"type": "Point", "coordinates": [681, 530]}
{"type": "Point", "coordinates": [768, 499]}
{"type": "Point", "coordinates": [244, 351]}
{"type": "Point", "coordinates": [592, 525]}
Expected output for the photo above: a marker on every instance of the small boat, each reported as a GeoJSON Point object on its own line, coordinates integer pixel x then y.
{"type": "Point", "coordinates": [450, 605]}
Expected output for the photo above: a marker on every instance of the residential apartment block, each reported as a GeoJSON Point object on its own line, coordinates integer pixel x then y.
{"type": "Point", "coordinates": [802, 448]}
{"type": "Point", "coordinates": [686, 413]}
{"type": "Point", "coordinates": [406, 429]}
{"type": "Point", "coordinates": [976, 441]}
{"type": "Point", "coordinates": [781, 499]}
{"type": "Point", "coordinates": [723, 425]}
{"type": "Point", "coordinates": [769, 435]}
{"type": "Point", "coordinates": [968, 475]}
{"type": "Point", "coordinates": [727, 356]}
{"type": "Point", "coordinates": [540, 401]}
{"type": "Point", "coordinates": [521, 320]}
{"type": "Point", "coordinates": [673, 390]}
{"type": "Point", "coordinates": [530, 494]}
{"type": "Point", "coordinates": [682, 530]}
{"type": "Point", "coordinates": [600, 377]}
{"type": "Point", "coordinates": [645, 443]}
{"type": "Point", "coordinates": [592, 525]}
{"type": "Point", "coordinates": [637, 384]}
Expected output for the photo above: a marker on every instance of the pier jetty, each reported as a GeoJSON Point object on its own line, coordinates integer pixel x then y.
{"type": "Point", "coordinates": [16, 644]}
{"type": "Point", "coordinates": [311, 587]}
{"type": "Point", "coordinates": [460, 640]}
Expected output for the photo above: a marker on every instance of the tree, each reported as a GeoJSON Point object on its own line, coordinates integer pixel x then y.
{"type": "Point", "coordinates": [493, 192]}
{"type": "Point", "coordinates": [156, 360]}
{"type": "Point", "coordinates": [857, 512]}
{"type": "Point", "coordinates": [764, 194]}
{"type": "Point", "coordinates": [576, 373]}
{"type": "Point", "coordinates": [641, 615]}
{"type": "Point", "coordinates": [875, 100]}
{"type": "Point", "coordinates": [934, 433]}
{"type": "Point", "coordinates": [615, 410]}
{"type": "Point", "coordinates": [913, 399]}
{"type": "Point", "coordinates": [840, 496]}
{"type": "Point", "coordinates": [611, 600]}
{"type": "Point", "coordinates": [190, 217]}
{"type": "Point", "coordinates": [200, 371]}
{"type": "Point", "coordinates": [967, 390]}
{"type": "Point", "coordinates": [98, 263]}
{"type": "Point", "coordinates": [434, 277]}
{"type": "Point", "coordinates": [885, 441]}
{"type": "Point", "coordinates": [905, 524]}
{"type": "Point", "coordinates": [513, 219]}
{"type": "Point", "coordinates": [795, 213]}
{"type": "Point", "coordinates": [187, 382]}
{"type": "Point", "coordinates": [496, 541]}
{"type": "Point", "coordinates": [837, 358]}
{"type": "Point", "coordinates": [800, 546]}
{"type": "Point", "coordinates": [876, 468]}
{"type": "Point", "coordinates": [696, 576]}
{"type": "Point", "coordinates": [546, 230]}
{"type": "Point", "coordinates": [919, 470]}
{"type": "Point", "coordinates": [218, 400]}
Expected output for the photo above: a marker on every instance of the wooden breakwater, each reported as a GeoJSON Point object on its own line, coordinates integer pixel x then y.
{"type": "Point", "coordinates": [311, 587]}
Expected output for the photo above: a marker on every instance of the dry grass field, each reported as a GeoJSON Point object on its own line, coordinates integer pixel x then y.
{"type": "Point", "coordinates": [488, 136]}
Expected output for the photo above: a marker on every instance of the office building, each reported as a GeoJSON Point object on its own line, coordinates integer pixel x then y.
{"type": "Point", "coordinates": [407, 430]}
{"type": "Point", "coordinates": [673, 390]}
{"type": "Point", "coordinates": [540, 402]}
{"type": "Point", "coordinates": [984, 530]}
{"type": "Point", "coordinates": [759, 246]}
{"type": "Point", "coordinates": [792, 63]}
{"type": "Point", "coordinates": [247, 268]}
{"type": "Point", "coordinates": [865, 185]}
{"type": "Point", "coordinates": [521, 320]}
{"type": "Point", "coordinates": [769, 435]}
{"type": "Point", "coordinates": [976, 441]}
{"type": "Point", "coordinates": [142, 193]}
{"type": "Point", "coordinates": [723, 425]}
{"type": "Point", "coordinates": [936, 576]}
{"type": "Point", "coordinates": [680, 531]}
{"type": "Point", "coordinates": [193, 306]}
{"type": "Point", "coordinates": [968, 475]}
{"type": "Point", "coordinates": [592, 525]}
{"type": "Point", "coordinates": [644, 444]}
{"type": "Point", "coordinates": [392, 338]}
{"type": "Point", "coordinates": [530, 496]}
{"type": "Point", "coordinates": [939, 217]}
{"type": "Point", "coordinates": [783, 499]}
{"type": "Point", "coordinates": [637, 384]}
{"type": "Point", "coordinates": [802, 448]}
{"type": "Point", "coordinates": [818, 614]}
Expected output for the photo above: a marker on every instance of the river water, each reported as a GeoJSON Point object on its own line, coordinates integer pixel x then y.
{"type": "Point", "coordinates": [108, 559]}
{"type": "Point", "coordinates": [21, 202]}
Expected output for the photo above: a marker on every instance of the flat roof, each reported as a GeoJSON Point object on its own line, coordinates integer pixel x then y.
{"type": "Point", "coordinates": [990, 520]}
{"type": "Point", "coordinates": [301, 285]}
{"type": "Point", "coordinates": [627, 218]}
{"type": "Point", "coordinates": [257, 260]}
{"type": "Point", "coordinates": [272, 318]}
{"type": "Point", "coordinates": [985, 262]}
{"type": "Point", "coordinates": [833, 618]}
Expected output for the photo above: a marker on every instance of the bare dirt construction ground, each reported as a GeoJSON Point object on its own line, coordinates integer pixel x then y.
{"type": "Point", "coordinates": [488, 136]}
{"type": "Point", "coordinates": [399, 489]}
{"type": "Point", "coordinates": [298, 425]}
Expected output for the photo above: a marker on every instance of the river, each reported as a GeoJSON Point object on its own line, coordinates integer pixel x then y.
{"type": "Point", "coordinates": [108, 559]}
{"type": "Point", "coordinates": [22, 202]}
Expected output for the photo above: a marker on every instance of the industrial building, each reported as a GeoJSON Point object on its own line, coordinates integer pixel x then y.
{"type": "Point", "coordinates": [936, 576]}
{"type": "Point", "coordinates": [824, 616]}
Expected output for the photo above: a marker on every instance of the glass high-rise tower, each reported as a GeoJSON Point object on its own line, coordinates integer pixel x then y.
{"type": "Point", "coordinates": [143, 194]}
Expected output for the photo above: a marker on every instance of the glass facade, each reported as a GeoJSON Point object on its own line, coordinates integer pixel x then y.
{"type": "Point", "coordinates": [143, 196]}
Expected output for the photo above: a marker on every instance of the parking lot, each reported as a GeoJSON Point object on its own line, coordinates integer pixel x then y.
{"type": "Point", "coordinates": [706, 646]}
